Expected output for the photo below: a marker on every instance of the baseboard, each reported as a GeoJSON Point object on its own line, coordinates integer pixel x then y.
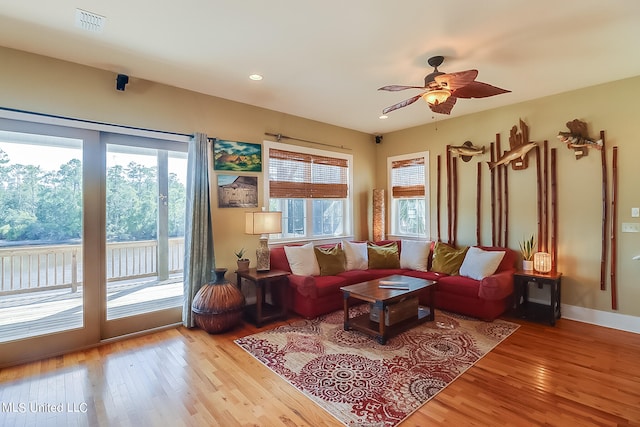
{"type": "Point", "coordinates": [623, 322]}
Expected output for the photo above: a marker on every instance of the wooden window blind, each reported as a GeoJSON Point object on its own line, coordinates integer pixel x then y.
{"type": "Point", "coordinates": [307, 176]}
{"type": "Point", "coordinates": [407, 178]}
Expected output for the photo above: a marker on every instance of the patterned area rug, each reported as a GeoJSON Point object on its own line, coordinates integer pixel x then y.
{"type": "Point", "coordinates": [363, 383]}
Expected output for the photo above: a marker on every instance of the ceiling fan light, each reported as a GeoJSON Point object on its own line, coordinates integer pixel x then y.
{"type": "Point", "coordinates": [437, 96]}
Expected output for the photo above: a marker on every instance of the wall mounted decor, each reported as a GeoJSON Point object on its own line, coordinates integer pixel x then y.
{"type": "Point", "coordinates": [519, 139]}
{"type": "Point", "coordinates": [237, 191]}
{"type": "Point", "coordinates": [577, 139]}
{"type": "Point", "coordinates": [466, 151]}
{"type": "Point", "coordinates": [237, 156]}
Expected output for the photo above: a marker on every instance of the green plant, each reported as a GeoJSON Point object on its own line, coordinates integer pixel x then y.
{"type": "Point", "coordinates": [527, 247]}
{"type": "Point", "coordinates": [240, 255]}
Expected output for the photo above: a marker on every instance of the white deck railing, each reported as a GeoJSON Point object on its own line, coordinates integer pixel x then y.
{"type": "Point", "coordinates": [34, 268]}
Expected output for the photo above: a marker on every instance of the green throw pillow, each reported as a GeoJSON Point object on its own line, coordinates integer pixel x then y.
{"type": "Point", "coordinates": [383, 256]}
{"type": "Point", "coordinates": [447, 260]}
{"type": "Point", "coordinates": [331, 260]}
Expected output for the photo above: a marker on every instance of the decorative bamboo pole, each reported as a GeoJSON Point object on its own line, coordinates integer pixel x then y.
{"type": "Point", "coordinates": [554, 209]}
{"type": "Point", "coordinates": [449, 214]}
{"type": "Point", "coordinates": [506, 207]}
{"type": "Point", "coordinates": [454, 227]}
{"type": "Point", "coordinates": [545, 198]}
{"type": "Point", "coordinates": [499, 190]}
{"type": "Point", "coordinates": [493, 197]}
{"type": "Point", "coordinates": [603, 259]}
{"type": "Point", "coordinates": [478, 204]}
{"type": "Point", "coordinates": [438, 197]}
{"type": "Point", "coordinates": [539, 193]}
{"type": "Point", "coordinates": [614, 226]}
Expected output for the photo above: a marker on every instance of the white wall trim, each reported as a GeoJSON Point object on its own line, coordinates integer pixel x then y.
{"type": "Point", "coordinates": [623, 322]}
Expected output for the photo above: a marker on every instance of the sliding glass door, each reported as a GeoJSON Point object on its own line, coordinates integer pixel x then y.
{"type": "Point", "coordinates": [45, 232]}
{"type": "Point", "coordinates": [145, 202]}
{"type": "Point", "coordinates": [91, 236]}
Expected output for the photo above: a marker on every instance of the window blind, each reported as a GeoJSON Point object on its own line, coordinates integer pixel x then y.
{"type": "Point", "coordinates": [407, 178]}
{"type": "Point", "coordinates": [302, 176]}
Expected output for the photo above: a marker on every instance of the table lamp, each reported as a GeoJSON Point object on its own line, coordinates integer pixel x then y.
{"type": "Point", "coordinates": [542, 262]}
{"type": "Point", "coordinates": [263, 223]}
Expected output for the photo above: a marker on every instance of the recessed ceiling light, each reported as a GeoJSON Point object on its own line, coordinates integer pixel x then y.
{"type": "Point", "coordinates": [255, 77]}
{"type": "Point", "coordinates": [384, 116]}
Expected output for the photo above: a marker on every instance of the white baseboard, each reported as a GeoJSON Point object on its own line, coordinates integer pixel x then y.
{"type": "Point", "coordinates": [623, 322]}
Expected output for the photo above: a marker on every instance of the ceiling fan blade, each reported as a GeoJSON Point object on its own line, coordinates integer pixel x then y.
{"type": "Point", "coordinates": [457, 80]}
{"type": "Point", "coordinates": [395, 88]}
{"type": "Point", "coordinates": [401, 104]}
{"type": "Point", "coordinates": [478, 90]}
{"type": "Point", "coordinates": [445, 107]}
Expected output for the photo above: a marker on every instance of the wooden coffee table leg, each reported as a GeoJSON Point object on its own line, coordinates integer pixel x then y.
{"type": "Point", "coordinates": [382, 333]}
{"type": "Point", "coordinates": [432, 303]}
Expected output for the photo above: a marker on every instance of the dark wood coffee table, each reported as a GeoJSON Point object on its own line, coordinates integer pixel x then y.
{"type": "Point", "coordinates": [381, 298]}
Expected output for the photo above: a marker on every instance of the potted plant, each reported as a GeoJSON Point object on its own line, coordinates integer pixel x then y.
{"type": "Point", "coordinates": [243, 263]}
{"type": "Point", "coordinates": [527, 247]}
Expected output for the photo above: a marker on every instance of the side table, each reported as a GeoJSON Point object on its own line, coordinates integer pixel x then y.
{"type": "Point", "coordinates": [262, 312]}
{"type": "Point", "coordinates": [533, 311]}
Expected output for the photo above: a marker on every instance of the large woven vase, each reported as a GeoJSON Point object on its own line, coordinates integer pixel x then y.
{"type": "Point", "coordinates": [218, 305]}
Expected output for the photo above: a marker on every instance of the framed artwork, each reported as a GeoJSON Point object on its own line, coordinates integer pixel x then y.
{"type": "Point", "coordinates": [237, 156]}
{"type": "Point", "coordinates": [236, 191]}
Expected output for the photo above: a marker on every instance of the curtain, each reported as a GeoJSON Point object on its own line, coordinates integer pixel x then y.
{"type": "Point", "coordinates": [199, 258]}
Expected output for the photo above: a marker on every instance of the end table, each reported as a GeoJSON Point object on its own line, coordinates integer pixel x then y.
{"type": "Point", "coordinates": [529, 310]}
{"type": "Point", "coordinates": [262, 312]}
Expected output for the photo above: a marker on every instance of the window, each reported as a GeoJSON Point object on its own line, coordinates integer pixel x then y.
{"type": "Point", "coordinates": [408, 177]}
{"type": "Point", "coordinates": [311, 189]}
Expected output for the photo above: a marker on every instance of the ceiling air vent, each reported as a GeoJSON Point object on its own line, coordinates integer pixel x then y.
{"type": "Point", "coordinates": [89, 21]}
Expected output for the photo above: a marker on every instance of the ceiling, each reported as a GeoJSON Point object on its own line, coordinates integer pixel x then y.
{"type": "Point", "coordinates": [324, 60]}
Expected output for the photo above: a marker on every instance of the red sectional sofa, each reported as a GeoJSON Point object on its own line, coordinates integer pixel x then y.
{"type": "Point", "coordinates": [314, 295]}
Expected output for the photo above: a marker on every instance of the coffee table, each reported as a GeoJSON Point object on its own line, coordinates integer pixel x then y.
{"type": "Point", "coordinates": [381, 298]}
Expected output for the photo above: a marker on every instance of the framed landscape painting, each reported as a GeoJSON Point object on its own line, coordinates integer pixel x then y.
{"type": "Point", "coordinates": [237, 191]}
{"type": "Point", "coordinates": [237, 156]}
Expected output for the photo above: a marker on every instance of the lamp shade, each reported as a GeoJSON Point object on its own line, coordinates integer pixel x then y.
{"type": "Point", "coordinates": [263, 222]}
{"type": "Point", "coordinates": [436, 97]}
{"type": "Point", "coordinates": [542, 262]}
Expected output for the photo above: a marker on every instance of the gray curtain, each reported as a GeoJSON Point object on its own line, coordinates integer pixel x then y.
{"type": "Point", "coordinates": [199, 259]}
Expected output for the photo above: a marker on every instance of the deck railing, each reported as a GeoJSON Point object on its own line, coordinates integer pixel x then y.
{"type": "Point", "coordinates": [35, 268]}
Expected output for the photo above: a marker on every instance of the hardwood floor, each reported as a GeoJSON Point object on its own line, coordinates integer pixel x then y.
{"type": "Point", "coordinates": [572, 375]}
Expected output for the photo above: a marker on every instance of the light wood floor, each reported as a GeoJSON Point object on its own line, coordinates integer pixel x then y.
{"type": "Point", "coordinates": [571, 375]}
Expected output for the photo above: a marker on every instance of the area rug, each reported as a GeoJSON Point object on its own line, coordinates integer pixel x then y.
{"type": "Point", "coordinates": [363, 383]}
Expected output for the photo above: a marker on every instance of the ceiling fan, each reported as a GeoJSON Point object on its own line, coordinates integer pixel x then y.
{"type": "Point", "coordinates": [441, 90]}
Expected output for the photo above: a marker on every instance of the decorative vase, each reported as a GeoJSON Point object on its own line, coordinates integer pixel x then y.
{"type": "Point", "coordinates": [527, 265]}
{"type": "Point", "coordinates": [218, 305]}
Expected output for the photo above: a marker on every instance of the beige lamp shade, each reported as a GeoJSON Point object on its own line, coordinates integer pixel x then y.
{"type": "Point", "coordinates": [542, 262]}
{"type": "Point", "coordinates": [263, 222]}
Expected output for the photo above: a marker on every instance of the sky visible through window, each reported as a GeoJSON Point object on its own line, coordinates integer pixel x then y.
{"type": "Point", "coordinates": [51, 156]}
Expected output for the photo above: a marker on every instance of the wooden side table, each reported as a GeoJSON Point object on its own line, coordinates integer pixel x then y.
{"type": "Point", "coordinates": [533, 311]}
{"type": "Point", "coordinates": [262, 312]}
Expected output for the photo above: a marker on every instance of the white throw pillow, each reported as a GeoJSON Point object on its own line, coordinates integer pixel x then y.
{"type": "Point", "coordinates": [414, 254]}
{"type": "Point", "coordinates": [302, 260]}
{"type": "Point", "coordinates": [356, 254]}
{"type": "Point", "coordinates": [479, 263]}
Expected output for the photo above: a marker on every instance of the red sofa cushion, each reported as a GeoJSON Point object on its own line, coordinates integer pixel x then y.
{"type": "Point", "coordinates": [278, 259]}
